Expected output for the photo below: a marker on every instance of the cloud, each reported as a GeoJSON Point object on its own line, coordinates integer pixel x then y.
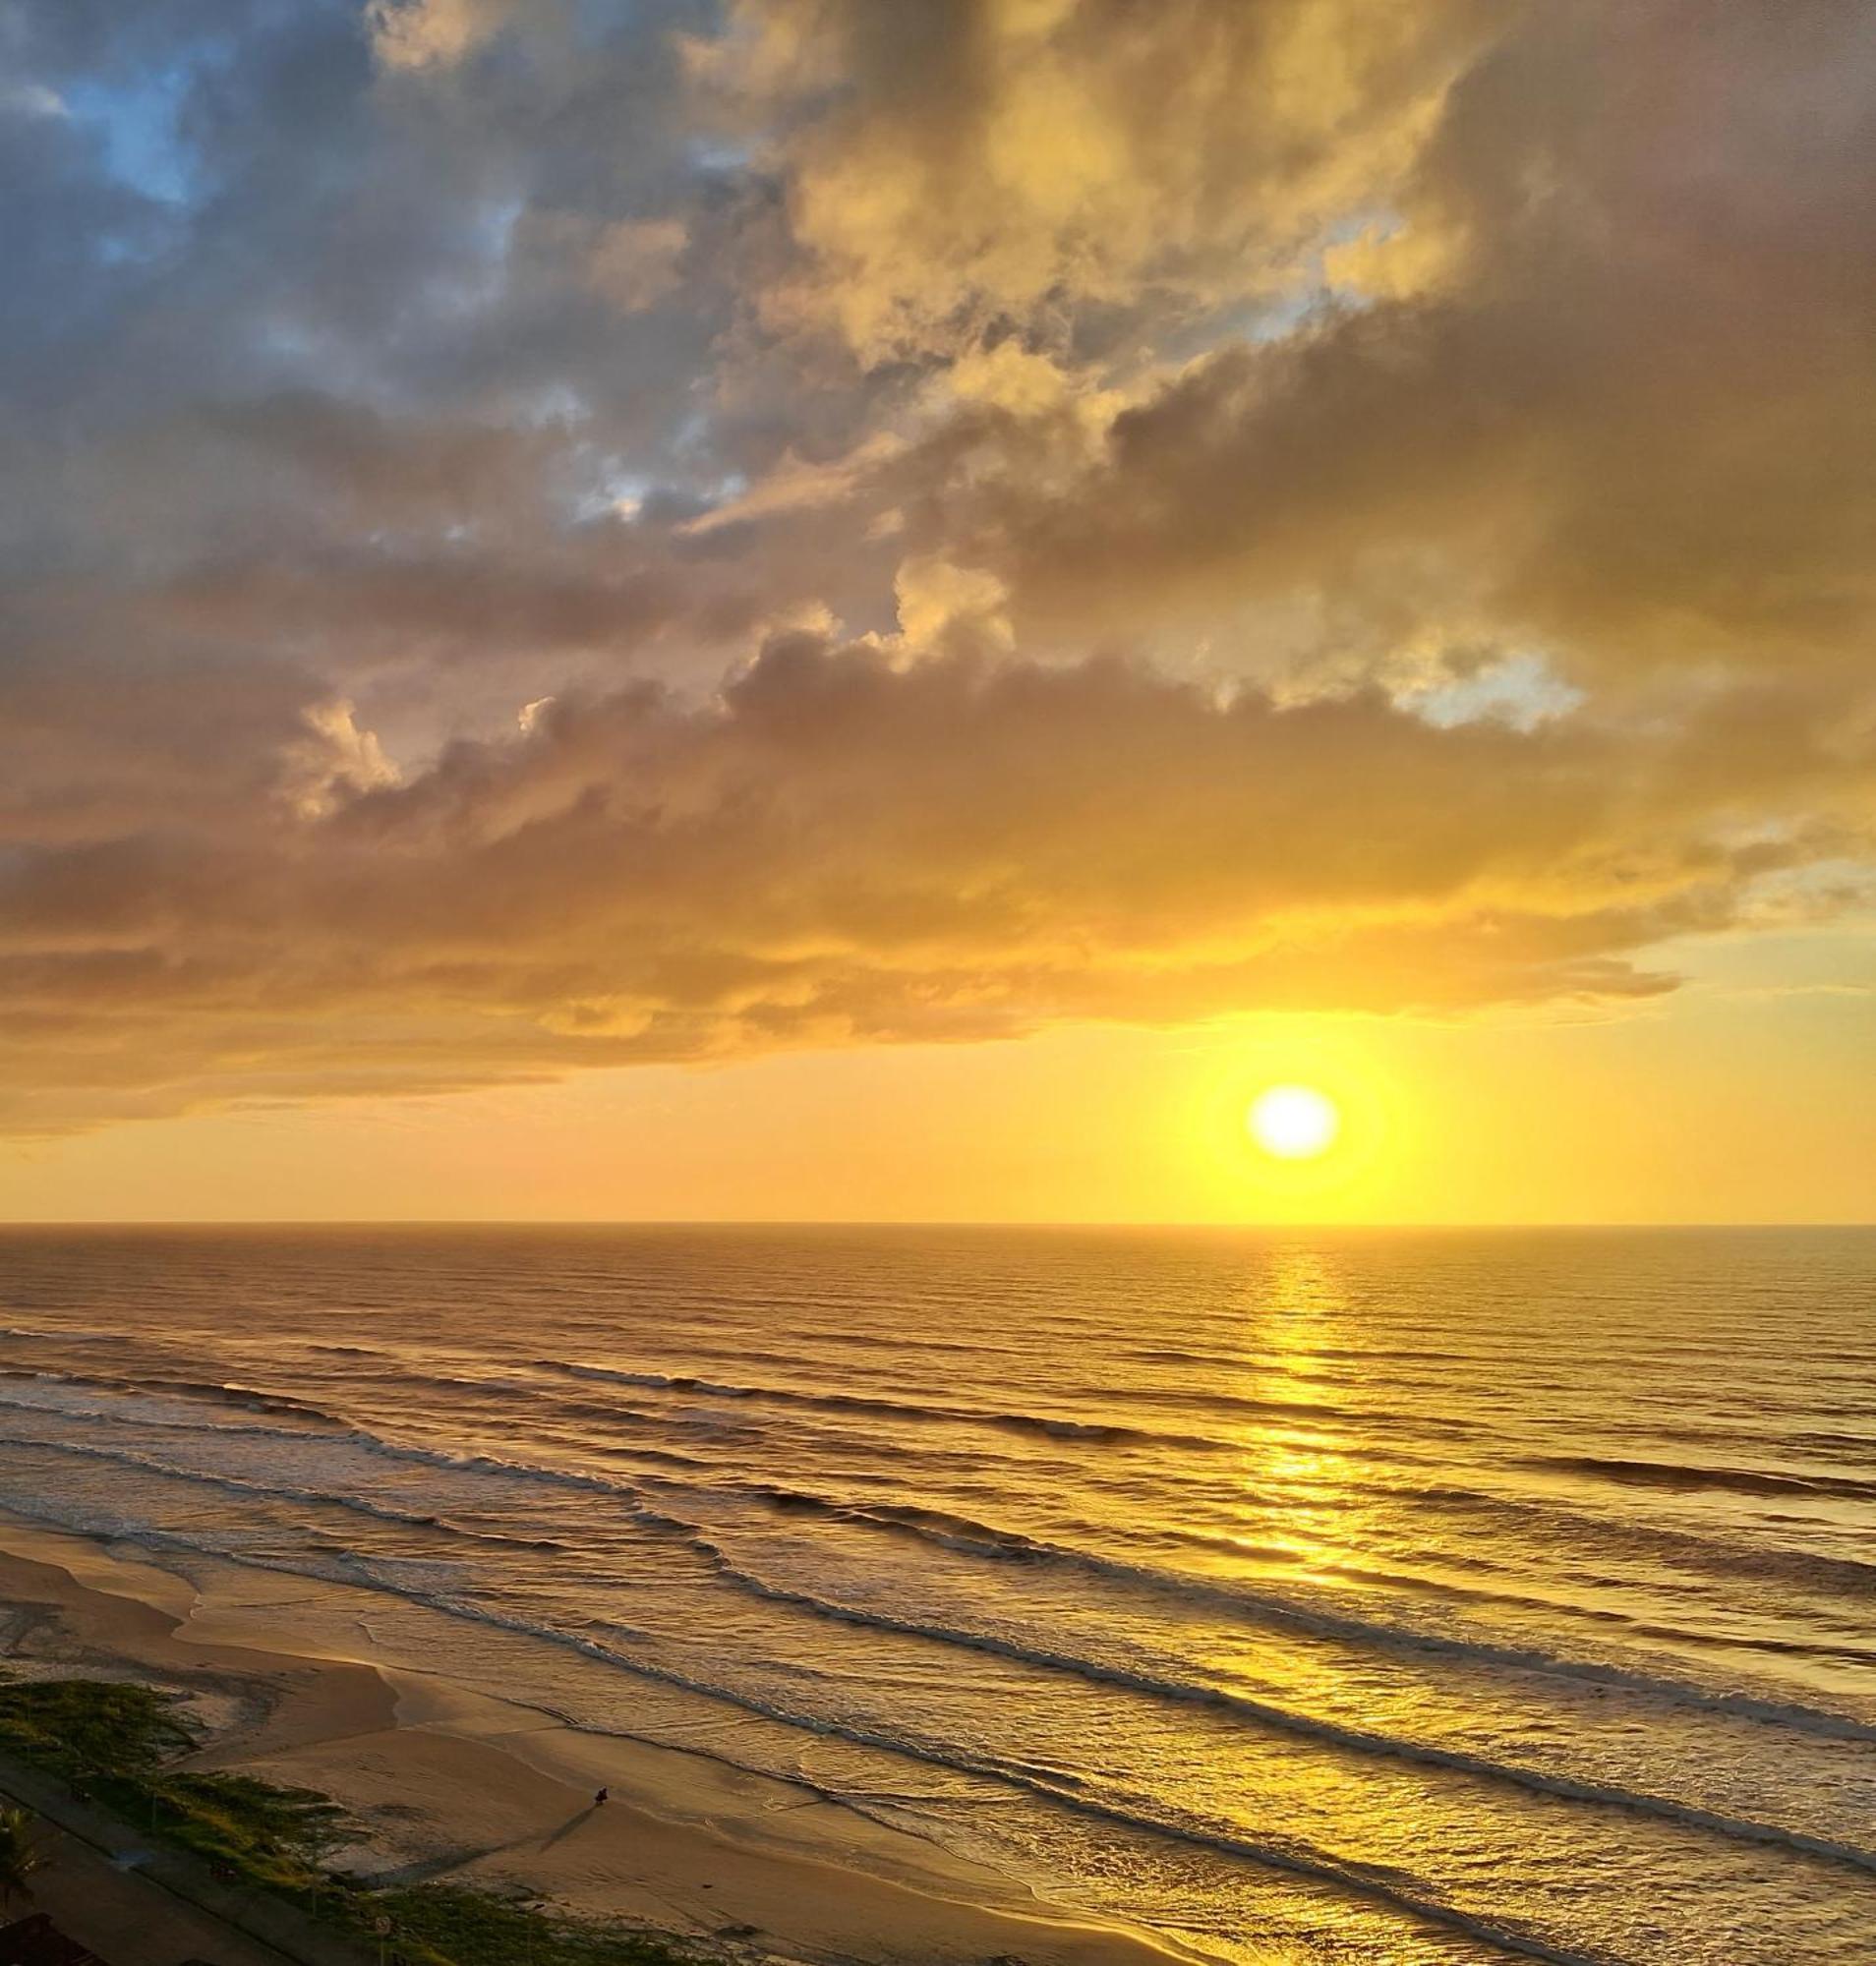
{"type": "Point", "coordinates": [1627, 421]}
{"type": "Point", "coordinates": [846, 848]}
{"type": "Point", "coordinates": [422, 34]}
{"type": "Point", "coordinates": [334, 760]}
{"type": "Point", "coordinates": [633, 262]}
{"type": "Point", "coordinates": [1197, 507]}
{"type": "Point", "coordinates": [952, 166]}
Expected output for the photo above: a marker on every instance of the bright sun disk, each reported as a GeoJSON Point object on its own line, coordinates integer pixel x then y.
{"type": "Point", "coordinates": [1294, 1122]}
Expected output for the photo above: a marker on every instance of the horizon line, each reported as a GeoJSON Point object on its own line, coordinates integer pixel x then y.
{"type": "Point", "coordinates": [883, 1222]}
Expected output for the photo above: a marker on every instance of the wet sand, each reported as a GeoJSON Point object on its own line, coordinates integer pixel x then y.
{"type": "Point", "coordinates": [450, 1783]}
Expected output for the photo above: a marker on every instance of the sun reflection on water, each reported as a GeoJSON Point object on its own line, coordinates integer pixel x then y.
{"type": "Point", "coordinates": [1299, 1477]}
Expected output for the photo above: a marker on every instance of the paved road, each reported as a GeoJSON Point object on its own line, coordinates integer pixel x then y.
{"type": "Point", "coordinates": [126, 1919]}
{"type": "Point", "coordinates": [136, 1904]}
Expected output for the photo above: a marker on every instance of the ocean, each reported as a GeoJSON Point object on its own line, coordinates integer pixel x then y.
{"type": "Point", "coordinates": [1441, 1596]}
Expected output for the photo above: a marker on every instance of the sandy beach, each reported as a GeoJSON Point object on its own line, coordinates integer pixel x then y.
{"type": "Point", "coordinates": [450, 1783]}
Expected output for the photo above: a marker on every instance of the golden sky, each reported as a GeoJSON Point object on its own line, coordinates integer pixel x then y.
{"type": "Point", "coordinates": [817, 609]}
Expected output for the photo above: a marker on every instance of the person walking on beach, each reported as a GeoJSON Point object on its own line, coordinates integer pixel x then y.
{"type": "Point", "coordinates": [600, 1799]}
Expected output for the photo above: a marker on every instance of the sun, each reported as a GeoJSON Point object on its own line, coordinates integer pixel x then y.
{"type": "Point", "coordinates": [1295, 1122]}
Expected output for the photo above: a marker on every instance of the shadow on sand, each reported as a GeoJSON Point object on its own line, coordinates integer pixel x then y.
{"type": "Point", "coordinates": [437, 1867]}
{"type": "Point", "coordinates": [571, 1823]}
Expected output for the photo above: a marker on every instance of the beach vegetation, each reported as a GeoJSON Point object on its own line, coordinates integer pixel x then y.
{"type": "Point", "coordinates": [470, 1928]}
{"type": "Point", "coordinates": [90, 1727]}
{"type": "Point", "coordinates": [19, 1854]}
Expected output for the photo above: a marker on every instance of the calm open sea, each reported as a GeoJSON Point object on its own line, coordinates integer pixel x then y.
{"type": "Point", "coordinates": [1399, 1598]}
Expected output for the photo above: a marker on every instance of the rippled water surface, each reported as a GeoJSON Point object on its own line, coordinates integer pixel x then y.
{"type": "Point", "coordinates": [1396, 1597]}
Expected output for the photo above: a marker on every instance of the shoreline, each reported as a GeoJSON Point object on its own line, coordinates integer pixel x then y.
{"type": "Point", "coordinates": [453, 1784]}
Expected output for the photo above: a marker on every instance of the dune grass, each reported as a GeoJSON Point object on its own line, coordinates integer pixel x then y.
{"type": "Point", "coordinates": [117, 1745]}
{"type": "Point", "coordinates": [473, 1929]}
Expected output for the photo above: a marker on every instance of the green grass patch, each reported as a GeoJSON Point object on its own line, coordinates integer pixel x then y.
{"type": "Point", "coordinates": [90, 1726]}
{"type": "Point", "coordinates": [472, 1929]}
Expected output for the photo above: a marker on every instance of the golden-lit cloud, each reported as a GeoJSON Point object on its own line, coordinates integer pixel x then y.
{"type": "Point", "coordinates": [951, 170]}
{"type": "Point", "coordinates": [539, 541]}
{"type": "Point", "coordinates": [843, 848]}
